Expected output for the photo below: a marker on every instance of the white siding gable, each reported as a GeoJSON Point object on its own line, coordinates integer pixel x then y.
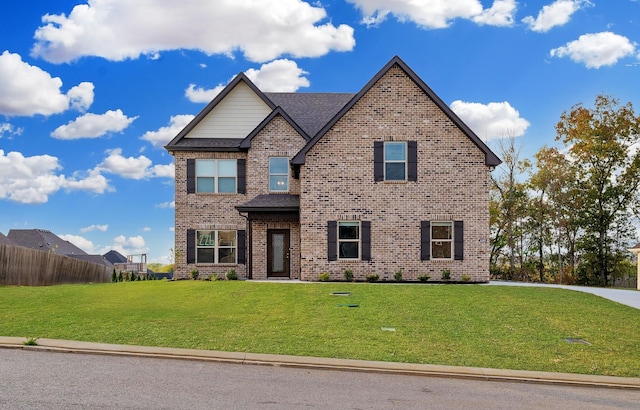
{"type": "Point", "coordinates": [234, 117]}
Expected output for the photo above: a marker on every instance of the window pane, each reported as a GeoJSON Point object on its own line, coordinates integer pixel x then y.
{"type": "Point", "coordinates": [349, 250]}
{"type": "Point", "coordinates": [227, 255]}
{"type": "Point", "coordinates": [226, 185]}
{"type": "Point", "coordinates": [278, 165]}
{"type": "Point", "coordinates": [441, 250]}
{"type": "Point", "coordinates": [205, 255]}
{"type": "Point", "coordinates": [394, 171]}
{"type": "Point", "coordinates": [205, 167]}
{"type": "Point", "coordinates": [441, 230]}
{"type": "Point", "coordinates": [226, 238]}
{"type": "Point", "coordinates": [395, 151]}
{"type": "Point", "coordinates": [206, 238]}
{"type": "Point", "coordinates": [205, 184]}
{"type": "Point", "coordinates": [349, 230]}
{"type": "Point", "coordinates": [227, 168]}
{"type": "Point", "coordinates": [278, 183]}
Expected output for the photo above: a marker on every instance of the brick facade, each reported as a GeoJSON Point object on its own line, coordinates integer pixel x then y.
{"type": "Point", "coordinates": [336, 183]}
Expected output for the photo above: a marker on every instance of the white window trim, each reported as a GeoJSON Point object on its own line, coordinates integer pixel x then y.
{"type": "Point", "coordinates": [217, 247]}
{"type": "Point", "coordinates": [395, 161]}
{"type": "Point", "coordinates": [451, 241]}
{"type": "Point", "coordinates": [216, 176]}
{"type": "Point", "coordinates": [340, 241]}
{"type": "Point", "coordinates": [275, 174]}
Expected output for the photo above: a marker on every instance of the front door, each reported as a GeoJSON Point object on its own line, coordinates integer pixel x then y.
{"type": "Point", "coordinates": [278, 253]}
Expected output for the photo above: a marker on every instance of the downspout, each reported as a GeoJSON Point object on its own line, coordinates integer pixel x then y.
{"type": "Point", "coordinates": [248, 246]}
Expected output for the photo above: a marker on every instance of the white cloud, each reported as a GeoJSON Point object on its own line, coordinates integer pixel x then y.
{"type": "Point", "coordinates": [91, 180]}
{"type": "Point", "coordinates": [28, 90]}
{"type": "Point", "coordinates": [9, 130]}
{"type": "Point", "coordinates": [91, 228]}
{"type": "Point", "coordinates": [493, 120]}
{"type": "Point", "coordinates": [165, 134]}
{"type": "Point", "coordinates": [93, 125]}
{"type": "Point", "coordinates": [202, 95]}
{"type": "Point", "coordinates": [500, 14]}
{"type": "Point", "coordinates": [434, 14]}
{"type": "Point", "coordinates": [277, 76]}
{"type": "Point", "coordinates": [81, 242]}
{"type": "Point", "coordinates": [31, 180]}
{"type": "Point", "coordinates": [146, 229]}
{"type": "Point", "coordinates": [596, 50]}
{"type": "Point", "coordinates": [125, 29]}
{"type": "Point", "coordinates": [133, 245]}
{"type": "Point", "coordinates": [171, 204]}
{"type": "Point", "coordinates": [555, 14]}
{"type": "Point", "coordinates": [133, 168]}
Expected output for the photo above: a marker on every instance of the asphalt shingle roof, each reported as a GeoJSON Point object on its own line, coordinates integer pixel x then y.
{"type": "Point", "coordinates": [4, 240]}
{"type": "Point", "coordinates": [43, 240]}
{"type": "Point", "coordinates": [271, 202]}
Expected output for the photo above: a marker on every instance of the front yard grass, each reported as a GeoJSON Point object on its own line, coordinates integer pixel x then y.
{"type": "Point", "coordinates": [460, 325]}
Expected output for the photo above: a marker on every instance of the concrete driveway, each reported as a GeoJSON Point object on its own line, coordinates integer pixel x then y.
{"type": "Point", "coordinates": [623, 296]}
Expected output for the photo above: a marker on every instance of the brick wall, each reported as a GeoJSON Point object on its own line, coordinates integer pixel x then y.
{"type": "Point", "coordinates": [337, 183]}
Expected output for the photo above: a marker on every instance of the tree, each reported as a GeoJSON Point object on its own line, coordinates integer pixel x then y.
{"type": "Point", "coordinates": [602, 147]}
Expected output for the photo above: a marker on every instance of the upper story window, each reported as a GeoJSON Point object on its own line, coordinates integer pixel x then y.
{"type": "Point", "coordinates": [395, 161]}
{"type": "Point", "coordinates": [216, 175]}
{"type": "Point", "coordinates": [278, 174]}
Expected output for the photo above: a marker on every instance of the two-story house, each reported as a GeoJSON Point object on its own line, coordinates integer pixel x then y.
{"type": "Point", "coordinates": [290, 185]}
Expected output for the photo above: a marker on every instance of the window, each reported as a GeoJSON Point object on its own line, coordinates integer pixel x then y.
{"type": "Point", "coordinates": [349, 240]}
{"type": "Point", "coordinates": [216, 175]}
{"type": "Point", "coordinates": [395, 161]}
{"type": "Point", "coordinates": [216, 247]}
{"type": "Point", "coordinates": [441, 240]}
{"type": "Point", "coordinates": [278, 174]}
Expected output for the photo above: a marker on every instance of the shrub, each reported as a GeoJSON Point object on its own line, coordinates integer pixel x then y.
{"type": "Point", "coordinates": [466, 278]}
{"type": "Point", "coordinates": [324, 277]}
{"type": "Point", "coordinates": [195, 274]}
{"type": "Point", "coordinates": [114, 276]}
{"type": "Point", "coordinates": [446, 274]}
{"type": "Point", "coordinates": [348, 275]}
{"type": "Point", "coordinates": [214, 277]}
{"type": "Point", "coordinates": [120, 277]}
{"type": "Point", "coordinates": [231, 274]}
{"type": "Point", "coordinates": [423, 278]}
{"type": "Point", "coordinates": [398, 275]}
{"type": "Point", "coordinates": [372, 278]}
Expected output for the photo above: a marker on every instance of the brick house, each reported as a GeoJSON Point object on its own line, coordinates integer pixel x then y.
{"type": "Point", "coordinates": [290, 185]}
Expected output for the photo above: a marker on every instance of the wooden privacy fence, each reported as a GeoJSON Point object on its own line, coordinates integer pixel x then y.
{"type": "Point", "coordinates": [32, 267]}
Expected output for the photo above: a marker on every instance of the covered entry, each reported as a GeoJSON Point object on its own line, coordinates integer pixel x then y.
{"type": "Point", "coordinates": [273, 236]}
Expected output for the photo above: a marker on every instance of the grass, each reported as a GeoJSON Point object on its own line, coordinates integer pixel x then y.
{"type": "Point", "coordinates": [462, 325]}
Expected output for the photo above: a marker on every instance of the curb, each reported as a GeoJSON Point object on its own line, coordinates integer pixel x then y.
{"type": "Point", "coordinates": [457, 372]}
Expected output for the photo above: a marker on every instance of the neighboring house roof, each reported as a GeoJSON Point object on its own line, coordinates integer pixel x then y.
{"type": "Point", "coordinates": [311, 111]}
{"type": "Point", "coordinates": [115, 257]}
{"type": "Point", "coordinates": [490, 158]}
{"type": "Point", "coordinates": [98, 259]}
{"type": "Point", "coordinates": [4, 240]}
{"type": "Point", "coordinates": [43, 239]}
{"type": "Point", "coordinates": [271, 203]}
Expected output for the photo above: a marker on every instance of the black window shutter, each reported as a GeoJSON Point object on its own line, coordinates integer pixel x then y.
{"type": "Point", "coordinates": [332, 238]}
{"type": "Point", "coordinates": [378, 161]}
{"type": "Point", "coordinates": [365, 232]}
{"type": "Point", "coordinates": [242, 175]}
{"type": "Point", "coordinates": [242, 247]}
{"type": "Point", "coordinates": [191, 246]}
{"type": "Point", "coordinates": [412, 161]}
{"type": "Point", "coordinates": [425, 240]}
{"type": "Point", "coordinates": [458, 240]}
{"type": "Point", "coordinates": [191, 176]}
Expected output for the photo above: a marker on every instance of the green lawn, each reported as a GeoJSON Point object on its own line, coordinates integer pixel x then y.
{"type": "Point", "coordinates": [468, 325]}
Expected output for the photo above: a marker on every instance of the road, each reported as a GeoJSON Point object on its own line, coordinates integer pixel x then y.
{"type": "Point", "coordinates": [46, 380]}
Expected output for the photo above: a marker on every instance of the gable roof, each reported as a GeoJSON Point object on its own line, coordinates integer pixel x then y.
{"type": "Point", "coordinates": [4, 240]}
{"type": "Point", "coordinates": [241, 77]}
{"type": "Point", "coordinates": [115, 257]}
{"type": "Point", "coordinates": [491, 159]}
{"type": "Point", "coordinates": [43, 239]}
{"type": "Point", "coordinates": [246, 143]}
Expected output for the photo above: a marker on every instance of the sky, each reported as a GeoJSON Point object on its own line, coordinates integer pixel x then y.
{"type": "Point", "coordinates": [91, 91]}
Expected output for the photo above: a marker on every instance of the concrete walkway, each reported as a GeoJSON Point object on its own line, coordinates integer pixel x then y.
{"type": "Point", "coordinates": [70, 346]}
{"type": "Point", "coordinates": [623, 296]}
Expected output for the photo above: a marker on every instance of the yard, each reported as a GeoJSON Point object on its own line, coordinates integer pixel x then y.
{"type": "Point", "coordinates": [466, 325]}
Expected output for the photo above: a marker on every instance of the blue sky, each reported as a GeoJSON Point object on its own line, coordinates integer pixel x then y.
{"type": "Point", "coordinates": [91, 91]}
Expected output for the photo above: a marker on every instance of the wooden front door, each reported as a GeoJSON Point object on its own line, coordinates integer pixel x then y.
{"type": "Point", "coordinates": [278, 253]}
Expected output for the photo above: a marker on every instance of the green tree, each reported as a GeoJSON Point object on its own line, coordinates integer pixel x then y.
{"type": "Point", "coordinates": [602, 146]}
